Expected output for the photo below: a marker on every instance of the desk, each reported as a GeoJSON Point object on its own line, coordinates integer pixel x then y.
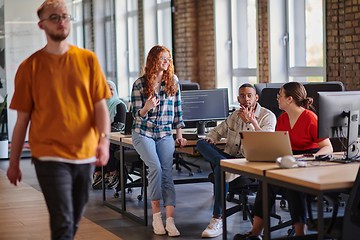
{"type": "Point", "coordinates": [256, 170]}
{"type": "Point", "coordinates": [315, 181]}
{"type": "Point", "coordinates": [125, 141]}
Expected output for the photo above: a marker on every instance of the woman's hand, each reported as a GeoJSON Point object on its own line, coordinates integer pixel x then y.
{"type": "Point", "coordinates": [150, 103]}
{"type": "Point", "coordinates": [181, 141]}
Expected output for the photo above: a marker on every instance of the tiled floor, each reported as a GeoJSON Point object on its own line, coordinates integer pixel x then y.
{"type": "Point", "coordinates": [192, 213]}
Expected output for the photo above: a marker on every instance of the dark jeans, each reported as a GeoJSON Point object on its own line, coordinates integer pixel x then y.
{"type": "Point", "coordinates": [214, 155]}
{"type": "Point", "coordinates": [296, 200]}
{"type": "Point", "coordinates": [66, 190]}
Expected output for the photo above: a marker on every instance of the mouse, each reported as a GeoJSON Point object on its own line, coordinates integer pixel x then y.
{"type": "Point", "coordinates": [323, 157]}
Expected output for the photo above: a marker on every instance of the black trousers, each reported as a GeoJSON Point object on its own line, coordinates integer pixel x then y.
{"type": "Point", "coordinates": [66, 191]}
{"type": "Point", "coordinates": [296, 200]}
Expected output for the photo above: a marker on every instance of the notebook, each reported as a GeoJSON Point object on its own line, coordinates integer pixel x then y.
{"type": "Point", "coordinates": [128, 123]}
{"type": "Point", "coordinates": [265, 146]}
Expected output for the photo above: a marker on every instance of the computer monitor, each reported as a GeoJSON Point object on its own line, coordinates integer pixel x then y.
{"type": "Point", "coordinates": [338, 117]}
{"type": "Point", "coordinates": [204, 105]}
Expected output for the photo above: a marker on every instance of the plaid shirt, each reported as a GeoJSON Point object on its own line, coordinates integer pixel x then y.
{"type": "Point", "coordinates": [231, 127]}
{"type": "Point", "coordinates": [158, 122]}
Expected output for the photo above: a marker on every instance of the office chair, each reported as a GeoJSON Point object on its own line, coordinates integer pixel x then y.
{"type": "Point", "coordinates": [133, 166]}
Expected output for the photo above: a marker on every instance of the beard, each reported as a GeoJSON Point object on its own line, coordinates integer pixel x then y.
{"type": "Point", "coordinates": [58, 37]}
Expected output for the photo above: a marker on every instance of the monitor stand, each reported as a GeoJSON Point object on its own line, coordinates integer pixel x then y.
{"type": "Point", "coordinates": [352, 134]}
{"type": "Point", "coordinates": [200, 127]}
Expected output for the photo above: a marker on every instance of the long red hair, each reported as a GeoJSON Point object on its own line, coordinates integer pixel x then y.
{"type": "Point", "coordinates": [151, 69]}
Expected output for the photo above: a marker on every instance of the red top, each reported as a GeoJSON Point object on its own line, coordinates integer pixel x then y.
{"type": "Point", "coordinates": [303, 135]}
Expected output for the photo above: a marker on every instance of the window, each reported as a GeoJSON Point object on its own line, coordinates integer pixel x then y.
{"type": "Point", "coordinates": [109, 28]}
{"type": "Point", "coordinates": [157, 24]}
{"type": "Point", "coordinates": [164, 23]}
{"type": "Point", "coordinates": [133, 40]}
{"type": "Point", "coordinates": [305, 40]}
{"type": "Point", "coordinates": [78, 23]}
{"type": "Point", "coordinates": [236, 44]}
{"type": "Point", "coordinates": [244, 44]}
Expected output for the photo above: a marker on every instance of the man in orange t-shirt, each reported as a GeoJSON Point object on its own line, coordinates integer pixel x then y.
{"type": "Point", "coordinates": [62, 89]}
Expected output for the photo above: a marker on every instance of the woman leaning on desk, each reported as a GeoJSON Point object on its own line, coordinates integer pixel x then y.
{"type": "Point", "coordinates": [156, 103]}
{"type": "Point", "coordinates": [302, 124]}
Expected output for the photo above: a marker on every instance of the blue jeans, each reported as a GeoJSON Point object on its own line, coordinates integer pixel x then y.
{"type": "Point", "coordinates": [66, 190]}
{"type": "Point", "coordinates": [214, 155]}
{"type": "Point", "coordinates": [158, 156]}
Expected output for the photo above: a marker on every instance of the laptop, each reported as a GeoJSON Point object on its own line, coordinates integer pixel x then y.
{"type": "Point", "coordinates": [265, 146]}
{"type": "Point", "coordinates": [128, 123]}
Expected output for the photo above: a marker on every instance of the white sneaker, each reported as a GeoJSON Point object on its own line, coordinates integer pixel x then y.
{"type": "Point", "coordinates": [171, 228]}
{"type": "Point", "coordinates": [158, 225]}
{"type": "Point", "coordinates": [214, 229]}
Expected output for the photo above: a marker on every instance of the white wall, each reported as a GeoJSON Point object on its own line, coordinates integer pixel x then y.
{"type": "Point", "coordinates": [22, 38]}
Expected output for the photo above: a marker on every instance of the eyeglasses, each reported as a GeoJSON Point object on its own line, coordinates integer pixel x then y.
{"type": "Point", "coordinates": [243, 96]}
{"type": "Point", "coordinates": [55, 18]}
{"type": "Point", "coordinates": [165, 59]}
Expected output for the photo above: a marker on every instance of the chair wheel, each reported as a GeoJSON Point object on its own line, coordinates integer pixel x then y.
{"type": "Point", "coordinates": [282, 204]}
{"type": "Point", "coordinates": [178, 169]}
{"type": "Point", "coordinates": [191, 174]}
{"type": "Point", "coordinates": [328, 209]}
{"type": "Point", "coordinates": [129, 190]}
{"type": "Point", "coordinates": [199, 170]}
{"type": "Point", "coordinates": [139, 197]}
{"type": "Point", "coordinates": [116, 195]}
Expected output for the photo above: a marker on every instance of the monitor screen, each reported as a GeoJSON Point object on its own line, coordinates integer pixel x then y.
{"type": "Point", "coordinates": [338, 117]}
{"type": "Point", "coordinates": [202, 105]}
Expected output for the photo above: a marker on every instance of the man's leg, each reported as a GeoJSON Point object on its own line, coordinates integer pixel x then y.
{"type": "Point", "coordinates": [81, 186]}
{"type": "Point", "coordinates": [56, 184]}
{"type": "Point", "coordinates": [214, 155]}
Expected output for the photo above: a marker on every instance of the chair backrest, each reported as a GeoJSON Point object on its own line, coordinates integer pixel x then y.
{"type": "Point", "coordinates": [268, 100]}
{"type": "Point", "coordinates": [189, 86]}
{"type": "Point", "coordinates": [313, 88]}
{"type": "Point", "coordinates": [351, 223]}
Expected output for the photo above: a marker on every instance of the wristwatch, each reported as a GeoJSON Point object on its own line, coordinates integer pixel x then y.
{"type": "Point", "coordinates": [105, 135]}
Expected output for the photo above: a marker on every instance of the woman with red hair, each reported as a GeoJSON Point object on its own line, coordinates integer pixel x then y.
{"type": "Point", "coordinates": [156, 103]}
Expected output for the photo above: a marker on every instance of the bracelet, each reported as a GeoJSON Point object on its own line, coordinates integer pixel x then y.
{"type": "Point", "coordinates": [105, 135]}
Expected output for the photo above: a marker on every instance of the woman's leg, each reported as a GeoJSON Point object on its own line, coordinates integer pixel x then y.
{"type": "Point", "coordinates": [165, 149]}
{"type": "Point", "coordinates": [146, 148]}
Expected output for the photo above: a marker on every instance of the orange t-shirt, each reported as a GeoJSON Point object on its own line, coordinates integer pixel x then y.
{"type": "Point", "coordinates": [59, 92]}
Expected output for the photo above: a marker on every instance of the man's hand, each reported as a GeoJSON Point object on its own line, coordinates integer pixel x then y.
{"type": "Point", "coordinates": [181, 141]}
{"type": "Point", "coordinates": [209, 141]}
{"type": "Point", "coordinates": [102, 152]}
{"type": "Point", "coordinates": [14, 174]}
{"type": "Point", "coordinates": [246, 114]}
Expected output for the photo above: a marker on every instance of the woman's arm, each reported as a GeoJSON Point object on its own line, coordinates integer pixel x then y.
{"type": "Point", "coordinates": [325, 147]}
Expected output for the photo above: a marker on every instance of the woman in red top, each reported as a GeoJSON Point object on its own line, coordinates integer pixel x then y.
{"type": "Point", "coordinates": [299, 121]}
{"type": "Point", "coordinates": [302, 124]}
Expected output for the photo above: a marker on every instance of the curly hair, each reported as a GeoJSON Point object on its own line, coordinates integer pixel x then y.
{"type": "Point", "coordinates": [152, 68]}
